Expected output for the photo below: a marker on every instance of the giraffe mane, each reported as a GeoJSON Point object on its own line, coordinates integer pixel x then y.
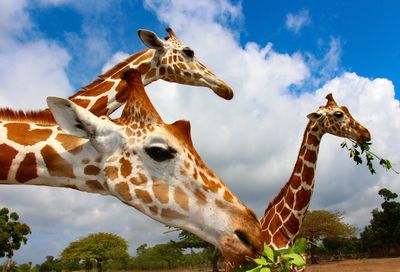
{"type": "Point", "coordinates": [115, 72]}
{"type": "Point", "coordinates": [43, 117]}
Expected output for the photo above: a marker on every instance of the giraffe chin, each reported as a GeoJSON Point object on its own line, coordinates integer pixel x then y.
{"type": "Point", "coordinates": [235, 252]}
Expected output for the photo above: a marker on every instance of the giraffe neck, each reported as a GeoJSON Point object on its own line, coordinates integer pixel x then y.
{"type": "Point", "coordinates": [108, 92]}
{"type": "Point", "coordinates": [283, 217]}
{"type": "Point", "coordinates": [38, 154]}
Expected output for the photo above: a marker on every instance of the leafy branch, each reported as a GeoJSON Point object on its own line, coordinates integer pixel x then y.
{"type": "Point", "coordinates": [357, 150]}
{"type": "Point", "coordinates": [282, 260]}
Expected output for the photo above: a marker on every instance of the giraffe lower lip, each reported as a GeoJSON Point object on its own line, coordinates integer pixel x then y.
{"type": "Point", "coordinates": [224, 93]}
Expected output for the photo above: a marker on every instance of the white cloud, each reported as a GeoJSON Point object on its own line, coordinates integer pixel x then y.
{"type": "Point", "coordinates": [325, 68]}
{"type": "Point", "coordinates": [12, 11]}
{"type": "Point", "coordinates": [39, 67]}
{"type": "Point", "coordinates": [295, 22]}
{"type": "Point", "coordinates": [170, 11]}
{"type": "Point", "coordinates": [251, 141]}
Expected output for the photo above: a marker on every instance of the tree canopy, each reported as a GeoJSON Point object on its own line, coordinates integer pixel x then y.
{"type": "Point", "coordinates": [382, 235]}
{"type": "Point", "coordinates": [100, 247]}
{"type": "Point", "coordinates": [321, 224]}
{"type": "Point", "coordinates": [12, 235]}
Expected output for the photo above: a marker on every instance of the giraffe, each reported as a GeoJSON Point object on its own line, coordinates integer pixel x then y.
{"type": "Point", "coordinates": [167, 59]}
{"type": "Point", "coordinates": [145, 163]}
{"type": "Point", "coordinates": [285, 213]}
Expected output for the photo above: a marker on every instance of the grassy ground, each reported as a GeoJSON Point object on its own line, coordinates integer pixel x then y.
{"type": "Point", "coordinates": [363, 265]}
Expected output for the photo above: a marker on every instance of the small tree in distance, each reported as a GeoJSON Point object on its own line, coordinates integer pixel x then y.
{"type": "Point", "coordinates": [100, 247]}
{"type": "Point", "coordinates": [382, 235]}
{"type": "Point", "coordinates": [12, 235]}
{"type": "Point", "coordinates": [321, 224]}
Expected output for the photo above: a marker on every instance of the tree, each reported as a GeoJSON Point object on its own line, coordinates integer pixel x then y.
{"type": "Point", "coordinates": [165, 255]}
{"type": "Point", "coordinates": [12, 235]}
{"type": "Point", "coordinates": [100, 247]}
{"type": "Point", "coordinates": [321, 224]}
{"type": "Point", "coordinates": [51, 264]}
{"type": "Point", "coordinates": [189, 240]}
{"type": "Point", "coordinates": [382, 235]}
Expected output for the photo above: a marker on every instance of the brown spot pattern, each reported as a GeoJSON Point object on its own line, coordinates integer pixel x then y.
{"type": "Point", "coordinates": [81, 102]}
{"type": "Point", "coordinates": [101, 88]}
{"type": "Point", "coordinates": [126, 167]}
{"type": "Point", "coordinates": [295, 182]}
{"type": "Point", "coordinates": [122, 94]}
{"type": "Point", "coordinates": [7, 155]}
{"type": "Point", "coordinates": [292, 224]}
{"type": "Point", "coordinates": [312, 140]}
{"type": "Point", "coordinates": [311, 156]}
{"type": "Point", "coordinates": [302, 199]}
{"type": "Point", "coordinates": [228, 196]}
{"type": "Point", "coordinates": [27, 169]}
{"type": "Point", "coordinates": [94, 185]}
{"type": "Point", "coordinates": [181, 198]}
{"type": "Point", "coordinates": [209, 184]}
{"type": "Point", "coordinates": [154, 210]}
{"type": "Point", "coordinates": [122, 190]}
{"type": "Point", "coordinates": [142, 178]}
{"type": "Point", "coordinates": [111, 172]}
{"type": "Point", "coordinates": [160, 190]}
{"type": "Point", "coordinates": [171, 214]}
{"type": "Point", "coordinates": [23, 135]}
{"type": "Point", "coordinates": [91, 170]}
{"type": "Point", "coordinates": [143, 195]}
{"type": "Point", "coordinates": [56, 165]}
{"type": "Point", "coordinates": [307, 175]}
{"type": "Point", "coordinates": [100, 107]}
{"type": "Point", "coordinates": [201, 197]}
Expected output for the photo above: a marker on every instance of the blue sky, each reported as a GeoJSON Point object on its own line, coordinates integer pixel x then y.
{"type": "Point", "coordinates": [280, 57]}
{"type": "Point", "coordinates": [367, 31]}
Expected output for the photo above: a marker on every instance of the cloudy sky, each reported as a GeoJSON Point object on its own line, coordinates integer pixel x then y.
{"type": "Point", "coordinates": [280, 59]}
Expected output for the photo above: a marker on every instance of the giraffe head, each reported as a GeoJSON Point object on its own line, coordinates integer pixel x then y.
{"type": "Point", "coordinates": [338, 121]}
{"type": "Point", "coordinates": [176, 62]}
{"type": "Point", "coordinates": [155, 168]}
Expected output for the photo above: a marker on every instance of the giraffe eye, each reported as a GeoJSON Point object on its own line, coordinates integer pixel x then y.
{"type": "Point", "coordinates": [188, 52]}
{"type": "Point", "coordinates": [160, 154]}
{"type": "Point", "coordinates": [338, 114]}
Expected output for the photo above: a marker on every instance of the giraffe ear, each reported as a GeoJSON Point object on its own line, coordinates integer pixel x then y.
{"type": "Point", "coordinates": [151, 40]}
{"type": "Point", "coordinates": [314, 116]}
{"type": "Point", "coordinates": [80, 122]}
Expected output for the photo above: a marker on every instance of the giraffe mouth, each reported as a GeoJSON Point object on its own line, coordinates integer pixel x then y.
{"type": "Point", "coordinates": [248, 242]}
{"type": "Point", "coordinates": [225, 93]}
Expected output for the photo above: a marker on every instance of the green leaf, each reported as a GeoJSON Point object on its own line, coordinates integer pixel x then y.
{"type": "Point", "coordinates": [256, 269]}
{"type": "Point", "coordinates": [268, 252]}
{"type": "Point", "coordinates": [265, 269]}
{"type": "Point", "coordinates": [300, 245]}
{"type": "Point", "coordinates": [294, 259]}
{"type": "Point", "coordinates": [281, 251]}
{"type": "Point", "coordinates": [261, 261]}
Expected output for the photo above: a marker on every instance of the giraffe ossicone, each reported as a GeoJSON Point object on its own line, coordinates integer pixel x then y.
{"type": "Point", "coordinates": [137, 158]}
{"type": "Point", "coordinates": [285, 213]}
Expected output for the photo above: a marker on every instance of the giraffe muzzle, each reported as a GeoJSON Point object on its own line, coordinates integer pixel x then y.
{"type": "Point", "coordinates": [245, 241]}
{"type": "Point", "coordinates": [224, 91]}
